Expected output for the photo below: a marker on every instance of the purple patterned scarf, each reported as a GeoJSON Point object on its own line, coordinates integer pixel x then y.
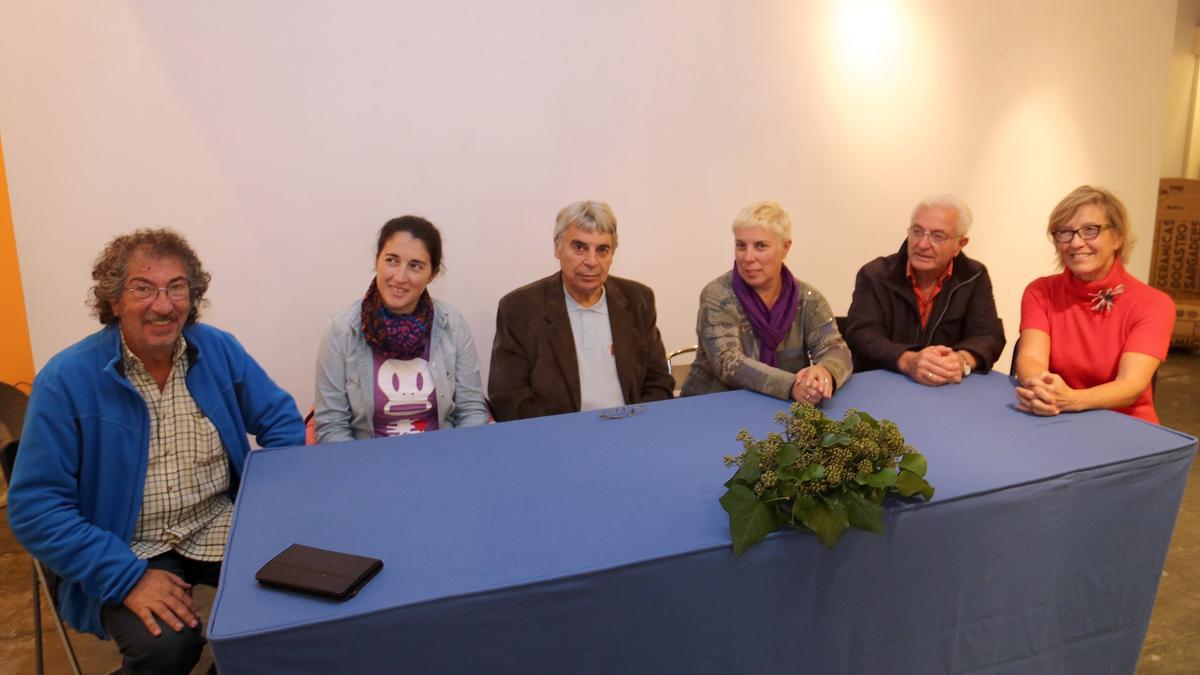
{"type": "Point", "coordinates": [770, 325]}
{"type": "Point", "coordinates": [396, 336]}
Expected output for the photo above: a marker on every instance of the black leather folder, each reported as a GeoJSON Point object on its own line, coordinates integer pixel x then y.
{"type": "Point", "coordinates": [330, 574]}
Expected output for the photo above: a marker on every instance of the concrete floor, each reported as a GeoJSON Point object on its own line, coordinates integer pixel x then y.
{"type": "Point", "coordinates": [1172, 643]}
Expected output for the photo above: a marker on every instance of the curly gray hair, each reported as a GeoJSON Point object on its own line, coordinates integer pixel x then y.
{"type": "Point", "coordinates": [112, 268]}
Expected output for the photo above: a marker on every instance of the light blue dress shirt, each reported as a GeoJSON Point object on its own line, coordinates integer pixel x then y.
{"type": "Point", "coordinates": [599, 386]}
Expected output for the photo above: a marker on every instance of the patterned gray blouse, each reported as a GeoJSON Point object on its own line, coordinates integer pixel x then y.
{"type": "Point", "coordinates": [728, 348]}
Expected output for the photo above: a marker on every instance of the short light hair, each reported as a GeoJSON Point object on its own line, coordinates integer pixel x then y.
{"type": "Point", "coordinates": [767, 215]}
{"type": "Point", "coordinates": [962, 212]}
{"type": "Point", "coordinates": [111, 269]}
{"type": "Point", "coordinates": [1113, 209]}
{"type": "Point", "coordinates": [589, 216]}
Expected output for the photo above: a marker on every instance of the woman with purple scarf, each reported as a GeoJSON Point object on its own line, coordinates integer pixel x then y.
{"type": "Point", "coordinates": [759, 327]}
{"type": "Point", "coordinates": [397, 361]}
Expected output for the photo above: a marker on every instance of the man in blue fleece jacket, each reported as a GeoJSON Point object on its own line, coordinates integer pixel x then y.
{"type": "Point", "coordinates": [133, 443]}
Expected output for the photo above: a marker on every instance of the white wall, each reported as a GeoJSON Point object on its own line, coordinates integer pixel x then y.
{"type": "Point", "coordinates": [1180, 97]}
{"type": "Point", "coordinates": [278, 136]}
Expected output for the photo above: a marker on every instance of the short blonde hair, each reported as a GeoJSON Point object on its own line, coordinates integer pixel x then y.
{"type": "Point", "coordinates": [1114, 210]}
{"type": "Point", "coordinates": [767, 215]}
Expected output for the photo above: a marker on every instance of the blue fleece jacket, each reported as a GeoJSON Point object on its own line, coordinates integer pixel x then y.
{"type": "Point", "coordinates": [77, 486]}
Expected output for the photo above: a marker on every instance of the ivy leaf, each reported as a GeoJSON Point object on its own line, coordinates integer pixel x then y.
{"type": "Point", "coordinates": [832, 439]}
{"type": "Point", "coordinates": [801, 506]}
{"type": "Point", "coordinates": [749, 518]}
{"type": "Point", "coordinates": [862, 513]}
{"type": "Point", "coordinates": [869, 420]}
{"type": "Point", "coordinates": [882, 478]}
{"type": "Point", "coordinates": [829, 523]}
{"type": "Point", "coordinates": [787, 489]}
{"type": "Point", "coordinates": [748, 473]}
{"type": "Point", "coordinates": [914, 462]}
{"type": "Point", "coordinates": [850, 422]}
{"type": "Point", "coordinates": [910, 484]}
{"type": "Point", "coordinates": [788, 454]}
{"type": "Point", "coordinates": [782, 512]}
{"type": "Point", "coordinates": [812, 472]}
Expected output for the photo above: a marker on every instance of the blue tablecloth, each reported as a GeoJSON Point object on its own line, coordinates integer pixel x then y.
{"type": "Point", "coordinates": [579, 544]}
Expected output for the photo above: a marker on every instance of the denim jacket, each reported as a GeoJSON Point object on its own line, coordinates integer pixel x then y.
{"type": "Point", "coordinates": [345, 401]}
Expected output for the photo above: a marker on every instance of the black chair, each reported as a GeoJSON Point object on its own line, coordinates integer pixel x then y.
{"type": "Point", "coordinates": [841, 324]}
{"type": "Point", "coordinates": [46, 581]}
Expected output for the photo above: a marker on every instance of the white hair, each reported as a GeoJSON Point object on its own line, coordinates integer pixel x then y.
{"type": "Point", "coordinates": [962, 220]}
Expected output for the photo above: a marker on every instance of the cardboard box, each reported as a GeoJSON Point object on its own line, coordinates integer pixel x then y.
{"type": "Point", "coordinates": [1178, 187]}
{"type": "Point", "coordinates": [1187, 325]}
{"type": "Point", "coordinates": [1178, 204]}
{"type": "Point", "coordinates": [1175, 261]}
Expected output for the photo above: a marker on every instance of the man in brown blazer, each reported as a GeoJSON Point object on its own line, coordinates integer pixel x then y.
{"type": "Point", "coordinates": [577, 339]}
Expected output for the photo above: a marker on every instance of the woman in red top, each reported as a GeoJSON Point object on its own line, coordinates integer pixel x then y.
{"type": "Point", "coordinates": [1092, 336]}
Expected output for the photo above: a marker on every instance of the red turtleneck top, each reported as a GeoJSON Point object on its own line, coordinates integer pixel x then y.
{"type": "Point", "coordinates": [1086, 344]}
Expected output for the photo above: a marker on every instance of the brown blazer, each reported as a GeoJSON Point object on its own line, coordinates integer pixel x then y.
{"type": "Point", "coordinates": [534, 369]}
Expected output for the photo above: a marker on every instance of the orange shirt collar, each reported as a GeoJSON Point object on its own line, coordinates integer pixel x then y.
{"type": "Point", "coordinates": [925, 304]}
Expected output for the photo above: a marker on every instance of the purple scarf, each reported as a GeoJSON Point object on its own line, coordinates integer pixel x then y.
{"type": "Point", "coordinates": [396, 336]}
{"type": "Point", "coordinates": [770, 325]}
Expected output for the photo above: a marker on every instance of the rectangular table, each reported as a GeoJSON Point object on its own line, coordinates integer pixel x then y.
{"type": "Point", "coordinates": [580, 544]}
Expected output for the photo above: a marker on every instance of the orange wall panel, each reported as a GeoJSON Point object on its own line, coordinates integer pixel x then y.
{"type": "Point", "coordinates": [16, 357]}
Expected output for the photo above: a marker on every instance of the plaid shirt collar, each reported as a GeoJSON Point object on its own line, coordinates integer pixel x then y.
{"type": "Point", "coordinates": [130, 361]}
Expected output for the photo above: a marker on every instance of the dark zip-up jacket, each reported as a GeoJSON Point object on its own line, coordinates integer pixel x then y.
{"type": "Point", "coordinates": [884, 321]}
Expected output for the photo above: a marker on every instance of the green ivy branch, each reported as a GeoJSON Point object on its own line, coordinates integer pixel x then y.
{"type": "Point", "coordinates": [821, 474]}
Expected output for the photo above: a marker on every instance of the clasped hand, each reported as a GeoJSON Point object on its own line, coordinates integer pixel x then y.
{"type": "Point", "coordinates": [813, 384]}
{"type": "Point", "coordinates": [1043, 394]}
{"type": "Point", "coordinates": [935, 366]}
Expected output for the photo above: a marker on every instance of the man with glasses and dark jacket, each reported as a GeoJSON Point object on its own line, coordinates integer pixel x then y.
{"type": "Point", "coordinates": [927, 310]}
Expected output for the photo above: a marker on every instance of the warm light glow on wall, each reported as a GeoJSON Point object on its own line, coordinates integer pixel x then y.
{"type": "Point", "coordinates": [886, 68]}
{"type": "Point", "coordinates": [867, 38]}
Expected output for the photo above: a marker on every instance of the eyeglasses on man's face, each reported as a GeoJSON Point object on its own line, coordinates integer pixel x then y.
{"type": "Point", "coordinates": [176, 290]}
{"type": "Point", "coordinates": [937, 238]}
{"type": "Point", "coordinates": [1086, 233]}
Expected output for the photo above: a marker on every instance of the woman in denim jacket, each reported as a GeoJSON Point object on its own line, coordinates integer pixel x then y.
{"type": "Point", "coordinates": [398, 362]}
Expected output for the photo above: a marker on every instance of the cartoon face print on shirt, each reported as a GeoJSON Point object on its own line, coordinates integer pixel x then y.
{"type": "Point", "coordinates": [404, 397]}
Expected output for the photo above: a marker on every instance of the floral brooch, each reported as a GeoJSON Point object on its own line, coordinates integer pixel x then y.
{"type": "Point", "coordinates": [1102, 300]}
